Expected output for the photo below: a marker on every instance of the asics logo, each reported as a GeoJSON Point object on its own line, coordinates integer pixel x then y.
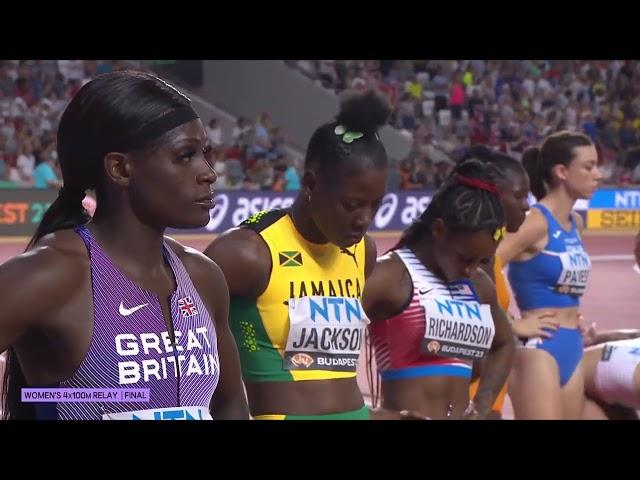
{"type": "Point", "coordinates": [128, 311]}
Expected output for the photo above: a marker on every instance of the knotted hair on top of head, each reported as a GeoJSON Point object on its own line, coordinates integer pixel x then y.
{"type": "Point", "coordinates": [353, 138]}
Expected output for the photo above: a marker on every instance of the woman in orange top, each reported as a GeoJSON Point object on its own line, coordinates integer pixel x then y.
{"type": "Point", "coordinates": [512, 182]}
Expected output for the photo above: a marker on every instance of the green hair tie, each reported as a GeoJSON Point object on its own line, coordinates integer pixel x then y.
{"type": "Point", "coordinates": [347, 136]}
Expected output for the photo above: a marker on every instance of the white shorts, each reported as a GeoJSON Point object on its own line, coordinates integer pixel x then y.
{"type": "Point", "coordinates": [615, 371]}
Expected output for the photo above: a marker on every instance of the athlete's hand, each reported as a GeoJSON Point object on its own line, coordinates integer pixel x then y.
{"type": "Point", "coordinates": [589, 333]}
{"type": "Point", "coordinates": [386, 414]}
{"type": "Point", "coordinates": [472, 413]}
{"type": "Point", "coordinates": [536, 325]}
{"type": "Point", "coordinates": [473, 416]}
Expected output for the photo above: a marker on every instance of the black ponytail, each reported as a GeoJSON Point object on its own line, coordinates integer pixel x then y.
{"type": "Point", "coordinates": [531, 163]}
{"type": "Point", "coordinates": [65, 212]}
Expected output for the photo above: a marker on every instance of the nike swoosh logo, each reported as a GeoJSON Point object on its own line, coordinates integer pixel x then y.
{"type": "Point", "coordinates": [557, 234]}
{"type": "Point", "coordinates": [125, 312]}
{"type": "Point", "coordinates": [424, 292]}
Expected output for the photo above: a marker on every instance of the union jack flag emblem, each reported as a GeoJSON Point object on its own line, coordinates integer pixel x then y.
{"type": "Point", "coordinates": [187, 307]}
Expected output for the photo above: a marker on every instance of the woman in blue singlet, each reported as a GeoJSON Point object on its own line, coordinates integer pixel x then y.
{"type": "Point", "coordinates": [548, 271]}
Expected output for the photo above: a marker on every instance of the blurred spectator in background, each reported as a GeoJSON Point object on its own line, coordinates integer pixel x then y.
{"type": "Point", "coordinates": [291, 177]}
{"type": "Point", "coordinates": [214, 132]}
{"type": "Point", "coordinates": [443, 105]}
{"type": "Point", "coordinates": [44, 174]}
{"type": "Point", "coordinates": [507, 104]}
{"type": "Point", "coordinates": [262, 140]}
{"type": "Point", "coordinates": [240, 131]}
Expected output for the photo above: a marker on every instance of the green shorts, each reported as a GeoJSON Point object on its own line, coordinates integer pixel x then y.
{"type": "Point", "coordinates": [362, 413]}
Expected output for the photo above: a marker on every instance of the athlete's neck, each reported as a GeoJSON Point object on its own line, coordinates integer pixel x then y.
{"type": "Point", "coordinates": [423, 250]}
{"type": "Point", "coordinates": [129, 242]}
{"type": "Point", "coordinates": [304, 223]}
{"type": "Point", "coordinates": [560, 204]}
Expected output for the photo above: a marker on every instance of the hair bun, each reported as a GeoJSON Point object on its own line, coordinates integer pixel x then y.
{"type": "Point", "coordinates": [363, 112]}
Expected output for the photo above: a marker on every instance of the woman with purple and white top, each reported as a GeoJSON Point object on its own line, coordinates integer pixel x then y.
{"type": "Point", "coordinates": [110, 304]}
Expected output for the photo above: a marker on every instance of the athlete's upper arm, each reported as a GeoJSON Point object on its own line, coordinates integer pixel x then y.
{"type": "Point", "coordinates": [382, 295]}
{"type": "Point", "coordinates": [371, 252]}
{"type": "Point", "coordinates": [485, 288]}
{"type": "Point", "coordinates": [488, 268]}
{"type": "Point", "coordinates": [533, 230]}
{"type": "Point", "coordinates": [245, 261]}
{"type": "Point", "coordinates": [32, 285]}
{"type": "Point", "coordinates": [487, 293]}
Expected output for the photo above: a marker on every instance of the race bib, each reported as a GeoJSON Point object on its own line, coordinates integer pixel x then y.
{"type": "Point", "coordinates": [456, 328]}
{"type": "Point", "coordinates": [172, 413]}
{"type": "Point", "coordinates": [576, 266]}
{"type": "Point", "coordinates": [628, 347]}
{"type": "Point", "coordinates": [325, 333]}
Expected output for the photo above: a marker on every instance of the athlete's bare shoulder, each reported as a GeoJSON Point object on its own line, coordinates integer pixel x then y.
{"type": "Point", "coordinates": [34, 284]}
{"type": "Point", "coordinates": [387, 289]}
